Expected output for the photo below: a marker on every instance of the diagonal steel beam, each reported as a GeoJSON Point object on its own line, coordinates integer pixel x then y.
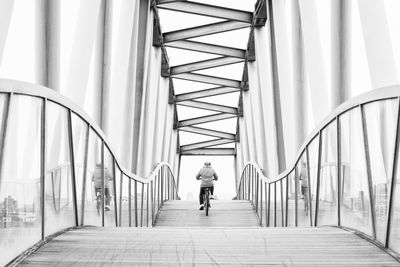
{"type": "Point", "coordinates": [210, 152]}
{"type": "Point", "coordinates": [206, 93]}
{"type": "Point", "coordinates": [205, 119]}
{"type": "Point", "coordinates": [205, 64]}
{"type": "Point", "coordinates": [215, 142]}
{"type": "Point", "coordinates": [208, 79]}
{"type": "Point", "coordinates": [208, 132]}
{"type": "Point", "coordinates": [208, 106]}
{"type": "Point", "coordinates": [208, 48]}
{"type": "Point", "coordinates": [207, 29]}
{"type": "Point", "coordinates": [208, 10]}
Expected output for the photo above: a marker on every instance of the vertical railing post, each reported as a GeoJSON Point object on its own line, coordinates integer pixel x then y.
{"type": "Point", "coordinates": [339, 167]}
{"type": "Point", "coordinates": [318, 177]}
{"type": "Point", "coordinates": [287, 200]}
{"type": "Point", "coordinates": [115, 191]}
{"type": "Point", "coordinates": [43, 126]}
{"type": "Point", "coordinates": [152, 195]}
{"type": "Point", "coordinates": [102, 183]}
{"type": "Point", "coordinates": [309, 185]}
{"type": "Point", "coordinates": [120, 197]}
{"type": "Point", "coordinates": [72, 165]}
{"type": "Point", "coordinates": [136, 204]}
{"type": "Point", "coordinates": [141, 206]}
{"type": "Point", "coordinates": [130, 202]}
{"type": "Point", "coordinates": [4, 131]}
{"type": "Point", "coordinates": [282, 208]}
{"type": "Point", "coordinates": [275, 204]}
{"type": "Point", "coordinates": [296, 192]}
{"type": "Point", "coordinates": [393, 172]}
{"type": "Point", "coordinates": [369, 174]}
{"type": "Point", "coordinates": [269, 205]}
{"type": "Point", "coordinates": [256, 195]}
{"type": "Point", "coordinates": [85, 167]}
{"type": "Point", "coordinates": [261, 202]}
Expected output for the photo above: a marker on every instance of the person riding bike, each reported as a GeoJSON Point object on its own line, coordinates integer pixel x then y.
{"type": "Point", "coordinates": [207, 175]}
{"type": "Point", "coordinates": [97, 180]}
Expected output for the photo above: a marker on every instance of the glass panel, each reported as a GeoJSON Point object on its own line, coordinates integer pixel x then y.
{"type": "Point", "coordinates": [355, 207]}
{"type": "Point", "coordinates": [381, 123]}
{"type": "Point", "coordinates": [283, 186]}
{"type": "Point", "coordinates": [272, 205]}
{"type": "Point", "coordinates": [59, 207]}
{"type": "Point", "coordinates": [109, 205]}
{"type": "Point", "coordinates": [328, 212]}
{"type": "Point", "coordinates": [291, 199]}
{"type": "Point", "coordinates": [394, 238]}
{"type": "Point", "coordinates": [20, 225]}
{"type": "Point", "coordinates": [141, 204]}
{"type": "Point", "coordinates": [279, 204]}
{"type": "Point", "coordinates": [313, 165]}
{"type": "Point", "coordinates": [125, 202]}
{"type": "Point", "coordinates": [79, 129]}
{"type": "Point", "coordinates": [303, 214]}
{"type": "Point", "coordinates": [93, 207]}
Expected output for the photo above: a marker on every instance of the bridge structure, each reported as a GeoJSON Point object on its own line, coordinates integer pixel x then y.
{"type": "Point", "coordinates": [126, 89]}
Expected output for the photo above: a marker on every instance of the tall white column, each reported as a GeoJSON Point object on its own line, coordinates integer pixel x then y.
{"type": "Point", "coordinates": [6, 8]}
{"type": "Point", "coordinates": [340, 51]}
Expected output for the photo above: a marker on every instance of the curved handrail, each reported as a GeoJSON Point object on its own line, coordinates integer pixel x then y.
{"type": "Point", "coordinates": [157, 187]}
{"type": "Point", "coordinates": [35, 90]}
{"type": "Point", "coordinates": [385, 93]}
{"type": "Point", "coordinates": [252, 180]}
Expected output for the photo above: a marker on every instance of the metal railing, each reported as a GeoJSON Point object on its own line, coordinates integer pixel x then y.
{"type": "Point", "coordinates": [346, 174]}
{"type": "Point", "coordinates": [50, 151]}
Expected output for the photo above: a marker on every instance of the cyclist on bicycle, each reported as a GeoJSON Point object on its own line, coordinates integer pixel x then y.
{"type": "Point", "coordinates": [207, 175]}
{"type": "Point", "coordinates": [97, 180]}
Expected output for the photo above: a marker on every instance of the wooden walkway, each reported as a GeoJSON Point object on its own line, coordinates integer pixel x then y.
{"type": "Point", "coordinates": [188, 244]}
{"type": "Point", "coordinates": [179, 213]}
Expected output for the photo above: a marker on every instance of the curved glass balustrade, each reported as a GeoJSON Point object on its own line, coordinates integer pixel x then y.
{"type": "Point", "coordinates": [346, 174]}
{"type": "Point", "coordinates": [49, 154]}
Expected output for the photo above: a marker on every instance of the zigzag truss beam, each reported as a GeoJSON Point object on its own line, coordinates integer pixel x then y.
{"type": "Point", "coordinates": [205, 64]}
{"type": "Point", "coordinates": [203, 30]}
{"type": "Point", "coordinates": [210, 152]}
{"type": "Point", "coordinates": [205, 119]}
{"type": "Point", "coordinates": [194, 77]}
{"type": "Point", "coordinates": [208, 132]}
{"type": "Point", "coordinates": [206, 144]}
{"type": "Point", "coordinates": [208, 106]}
{"type": "Point", "coordinates": [205, 93]}
{"type": "Point", "coordinates": [208, 48]}
{"type": "Point", "coordinates": [207, 10]}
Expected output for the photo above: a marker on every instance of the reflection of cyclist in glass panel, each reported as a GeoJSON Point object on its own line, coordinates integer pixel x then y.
{"type": "Point", "coordinates": [96, 178]}
{"type": "Point", "coordinates": [206, 174]}
{"type": "Point", "coordinates": [304, 184]}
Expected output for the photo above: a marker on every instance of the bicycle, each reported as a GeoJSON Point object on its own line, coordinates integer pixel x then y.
{"type": "Point", "coordinates": [206, 200]}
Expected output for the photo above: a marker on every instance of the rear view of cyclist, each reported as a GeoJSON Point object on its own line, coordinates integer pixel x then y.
{"type": "Point", "coordinates": [207, 175]}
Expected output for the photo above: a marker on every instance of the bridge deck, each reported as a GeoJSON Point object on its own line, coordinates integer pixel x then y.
{"type": "Point", "coordinates": [213, 246]}
{"type": "Point", "coordinates": [178, 213]}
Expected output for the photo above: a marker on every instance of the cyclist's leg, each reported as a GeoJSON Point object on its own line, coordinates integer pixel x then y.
{"type": "Point", "coordinates": [201, 200]}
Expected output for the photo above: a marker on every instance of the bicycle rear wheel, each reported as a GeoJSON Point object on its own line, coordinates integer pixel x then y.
{"type": "Point", "coordinates": [207, 202]}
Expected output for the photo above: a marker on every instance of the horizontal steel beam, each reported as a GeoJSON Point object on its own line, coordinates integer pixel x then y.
{"type": "Point", "coordinates": [205, 64]}
{"type": "Point", "coordinates": [208, 106]}
{"type": "Point", "coordinates": [208, 132]}
{"type": "Point", "coordinates": [208, 48]}
{"type": "Point", "coordinates": [207, 29]}
{"type": "Point", "coordinates": [206, 93]}
{"type": "Point", "coordinates": [205, 144]}
{"type": "Point", "coordinates": [208, 10]}
{"type": "Point", "coordinates": [208, 79]}
{"type": "Point", "coordinates": [160, 2]}
{"type": "Point", "coordinates": [205, 119]}
{"type": "Point", "coordinates": [210, 152]}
